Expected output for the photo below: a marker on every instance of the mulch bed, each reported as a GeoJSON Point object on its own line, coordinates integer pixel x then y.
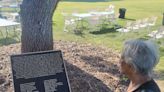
{"type": "Point", "coordinates": [90, 68]}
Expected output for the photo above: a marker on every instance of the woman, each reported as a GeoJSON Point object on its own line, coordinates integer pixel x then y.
{"type": "Point", "coordinates": [137, 61]}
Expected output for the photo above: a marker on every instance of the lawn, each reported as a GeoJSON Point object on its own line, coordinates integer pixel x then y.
{"type": "Point", "coordinates": [136, 9]}
{"type": "Point", "coordinates": [10, 36]}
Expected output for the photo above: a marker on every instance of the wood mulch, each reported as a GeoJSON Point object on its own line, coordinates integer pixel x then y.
{"type": "Point", "coordinates": [90, 68]}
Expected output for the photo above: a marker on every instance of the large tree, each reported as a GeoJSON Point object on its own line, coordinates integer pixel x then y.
{"type": "Point", "coordinates": [36, 19]}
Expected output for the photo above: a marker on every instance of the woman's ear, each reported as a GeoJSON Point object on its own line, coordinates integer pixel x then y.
{"type": "Point", "coordinates": [131, 67]}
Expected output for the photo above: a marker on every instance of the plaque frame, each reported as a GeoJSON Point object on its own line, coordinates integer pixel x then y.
{"type": "Point", "coordinates": [36, 53]}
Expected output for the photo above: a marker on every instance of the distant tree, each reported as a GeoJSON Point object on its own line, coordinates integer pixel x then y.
{"type": "Point", "coordinates": [36, 20]}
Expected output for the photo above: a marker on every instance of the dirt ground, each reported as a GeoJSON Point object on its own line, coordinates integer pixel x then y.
{"type": "Point", "coordinates": [90, 68]}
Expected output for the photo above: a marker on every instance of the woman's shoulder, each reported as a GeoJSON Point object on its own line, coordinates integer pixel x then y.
{"type": "Point", "coordinates": [149, 86]}
{"type": "Point", "coordinates": [147, 90]}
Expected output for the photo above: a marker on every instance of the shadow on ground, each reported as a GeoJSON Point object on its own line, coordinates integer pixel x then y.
{"type": "Point", "coordinates": [159, 75]}
{"type": "Point", "coordinates": [103, 31]}
{"type": "Point", "coordinates": [102, 65]}
{"type": "Point", "coordinates": [7, 41]}
{"type": "Point", "coordinates": [90, 0]}
{"type": "Point", "coordinates": [130, 19]}
{"type": "Point", "coordinates": [81, 81]}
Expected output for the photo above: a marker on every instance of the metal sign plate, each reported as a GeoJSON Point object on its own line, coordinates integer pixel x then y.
{"type": "Point", "coordinates": [39, 72]}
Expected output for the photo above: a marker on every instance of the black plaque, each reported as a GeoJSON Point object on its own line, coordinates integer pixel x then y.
{"type": "Point", "coordinates": [39, 72]}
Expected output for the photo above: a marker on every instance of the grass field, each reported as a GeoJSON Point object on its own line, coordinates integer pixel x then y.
{"type": "Point", "coordinates": [137, 9]}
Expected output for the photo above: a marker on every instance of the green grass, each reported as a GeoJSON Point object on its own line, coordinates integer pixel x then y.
{"type": "Point", "coordinates": [9, 38]}
{"type": "Point", "coordinates": [89, 0]}
{"type": "Point", "coordinates": [9, 9]}
{"type": "Point", "coordinates": [136, 9]}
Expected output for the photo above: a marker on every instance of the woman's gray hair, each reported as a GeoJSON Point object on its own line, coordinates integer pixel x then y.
{"type": "Point", "coordinates": [142, 55]}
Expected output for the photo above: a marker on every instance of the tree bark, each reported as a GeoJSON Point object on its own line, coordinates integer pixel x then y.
{"type": "Point", "coordinates": [36, 19]}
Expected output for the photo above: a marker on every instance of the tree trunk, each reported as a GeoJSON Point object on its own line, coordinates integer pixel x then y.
{"type": "Point", "coordinates": [36, 18]}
